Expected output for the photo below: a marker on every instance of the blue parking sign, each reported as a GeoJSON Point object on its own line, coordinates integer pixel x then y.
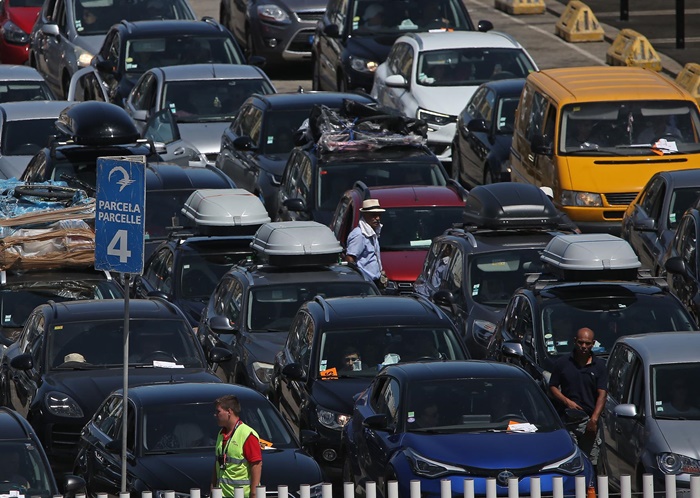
{"type": "Point", "coordinates": [120, 214]}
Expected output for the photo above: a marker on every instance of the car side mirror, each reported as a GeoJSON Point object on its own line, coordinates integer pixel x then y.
{"type": "Point", "coordinates": [72, 484]}
{"type": "Point", "coordinates": [50, 29]}
{"type": "Point", "coordinates": [243, 143]}
{"type": "Point", "coordinates": [541, 145]}
{"type": "Point", "coordinates": [512, 349]}
{"type": "Point", "coordinates": [221, 325]}
{"type": "Point", "coordinates": [676, 265]}
{"type": "Point", "coordinates": [257, 60]}
{"type": "Point", "coordinates": [573, 417]}
{"type": "Point", "coordinates": [294, 371]}
{"type": "Point", "coordinates": [396, 81]}
{"type": "Point", "coordinates": [22, 362]}
{"type": "Point", "coordinates": [219, 355]}
{"type": "Point", "coordinates": [645, 225]}
{"type": "Point", "coordinates": [477, 125]}
{"type": "Point", "coordinates": [484, 26]}
{"type": "Point", "coordinates": [104, 66]}
{"type": "Point", "coordinates": [626, 410]}
{"type": "Point", "coordinates": [443, 298]}
{"type": "Point", "coordinates": [378, 422]}
{"type": "Point", "coordinates": [295, 204]}
{"type": "Point", "coordinates": [331, 30]}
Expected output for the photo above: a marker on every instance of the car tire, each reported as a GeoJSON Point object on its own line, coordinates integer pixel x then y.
{"type": "Point", "coordinates": [315, 75]}
{"type": "Point", "coordinates": [65, 84]}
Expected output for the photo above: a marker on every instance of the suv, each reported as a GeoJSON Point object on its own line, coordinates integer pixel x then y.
{"type": "Point", "coordinates": [346, 52]}
{"type": "Point", "coordinates": [592, 281]}
{"type": "Point", "coordinates": [334, 349]}
{"type": "Point", "coordinates": [474, 270]}
{"type": "Point", "coordinates": [253, 305]}
{"type": "Point", "coordinates": [414, 216]}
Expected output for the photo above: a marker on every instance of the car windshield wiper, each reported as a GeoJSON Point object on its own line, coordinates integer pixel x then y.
{"type": "Point", "coordinates": [670, 417]}
{"type": "Point", "coordinates": [78, 366]}
{"type": "Point", "coordinates": [162, 452]}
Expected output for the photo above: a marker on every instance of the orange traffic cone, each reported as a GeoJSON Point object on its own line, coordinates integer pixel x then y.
{"type": "Point", "coordinates": [590, 492]}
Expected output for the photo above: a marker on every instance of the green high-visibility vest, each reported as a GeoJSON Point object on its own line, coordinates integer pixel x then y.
{"type": "Point", "coordinates": [236, 473]}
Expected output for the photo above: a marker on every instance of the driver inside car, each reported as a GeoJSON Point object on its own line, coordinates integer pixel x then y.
{"type": "Point", "coordinates": [9, 469]}
{"type": "Point", "coordinates": [660, 127]}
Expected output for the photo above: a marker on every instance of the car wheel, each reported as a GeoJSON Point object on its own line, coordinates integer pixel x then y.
{"type": "Point", "coordinates": [249, 46]}
{"type": "Point", "coordinates": [315, 75]}
{"type": "Point", "coordinates": [342, 83]}
{"type": "Point", "coordinates": [488, 176]}
{"type": "Point", "coordinates": [65, 84]}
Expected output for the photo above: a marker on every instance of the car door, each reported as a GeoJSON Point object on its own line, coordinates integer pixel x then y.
{"type": "Point", "coordinates": [239, 20]}
{"type": "Point", "coordinates": [329, 40]}
{"type": "Point", "coordinates": [643, 225]}
{"type": "Point", "coordinates": [229, 304]}
{"type": "Point", "coordinates": [109, 56]}
{"type": "Point", "coordinates": [240, 163]}
{"type": "Point", "coordinates": [54, 45]}
{"type": "Point", "coordinates": [296, 184]}
{"type": "Point", "coordinates": [23, 384]}
{"type": "Point", "coordinates": [157, 276]}
{"type": "Point", "coordinates": [86, 84]}
{"type": "Point", "coordinates": [141, 103]}
{"type": "Point", "coordinates": [103, 467]}
{"type": "Point", "coordinates": [400, 98]}
{"type": "Point", "coordinates": [162, 129]}
{"type": "Point", "coordinates": [41, 39]}
{"type": "Point", "coordinates": [478, 141]}
{"type": "Point", "coordinates": [685, 286]}
{"type": "Point", "coordinates": [540, 118]}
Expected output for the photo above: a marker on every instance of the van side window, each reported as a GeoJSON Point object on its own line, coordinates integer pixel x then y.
{"type": "Point", "coordinates": [536, 120]}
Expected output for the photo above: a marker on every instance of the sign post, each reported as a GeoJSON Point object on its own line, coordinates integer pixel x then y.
{"type": "Point", "coordinates": [119, 241]}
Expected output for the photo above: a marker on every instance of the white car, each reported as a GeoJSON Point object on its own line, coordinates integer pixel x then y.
{"type": "Point", "coordinates": [431, 76]}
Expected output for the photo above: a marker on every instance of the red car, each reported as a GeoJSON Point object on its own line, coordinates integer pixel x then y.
{"type": "Point", "coordinates": [414, 215]}
{"type": "Point", "coordinates": [16, 21]}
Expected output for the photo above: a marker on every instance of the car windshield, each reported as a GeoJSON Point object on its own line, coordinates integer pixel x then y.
{"type": "Point", "coordinates": [611, 312]}
{"type": "Point", "coordinates": [478, 405]}
{"type": "Point", "coordinates": [471, 66]}
{"type": "Point", "coordinates": [629, 128]}
{"type": "Point", "coordinates": [272, 307]}
{"type": "Point", "coordinates": [395, 17]}
{"type": "Point", "coordinates": [681, 199]}
{"type": "Point", "coordinates": [363, 352]}
{"type": "Point", "coordinates": [147, 53]}
{"type": "Point", "coordinates": [99, 344]}
{"type": "Point", "coordinates": [495, 276]}
{"type": "Point", "coordinates": [201, 272]}
{"type": "Point", "coordinates": [335, 179]}
{"type": "Point", "coordinates": [26, 137]}
{"type": "Point", "coordinates": [163, 212]}
{"type": "Point", "coordinates": [185, 427]}
{"type": "Point", "coordinates": [674, 393]}
{"type": "Point", "coordinates": [199, 101]}
{"type": "Point", "coordinates": [278, 128]}
{"type": "Point", "coordinates": [406, 229]}
{"type": "Point", "coordinates": [95, 17]}
{"type": "Point", "coordinates": [22, 469]}
{"type": "Point", "coordinates": [21, 91]}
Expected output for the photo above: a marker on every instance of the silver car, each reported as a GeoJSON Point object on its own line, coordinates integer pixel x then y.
{"type": "Point", "coordinates": [651, 419]}
{"type": "Point", "coordinates": [20, 83]}
{"type": "Point", "coordinates": [68, 33]}
{"type": "Point", "coordinates": [25, 128]}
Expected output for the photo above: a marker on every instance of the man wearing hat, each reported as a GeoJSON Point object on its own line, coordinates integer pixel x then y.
{"type": "Point", "coordinates": [363, 242]}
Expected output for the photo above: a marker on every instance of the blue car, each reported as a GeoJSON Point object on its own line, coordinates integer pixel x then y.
{"type": "Point", "coordinates": [458, 420]}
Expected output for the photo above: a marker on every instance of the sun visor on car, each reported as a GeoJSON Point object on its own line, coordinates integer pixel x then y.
{"type": "Point", "coordinates": [295, 243]}
{"type": "Point", "coordinates": [225, 211]}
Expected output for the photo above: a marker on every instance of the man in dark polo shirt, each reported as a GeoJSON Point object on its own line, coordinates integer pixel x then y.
{"type": "Point", "coordinates": [580, 381]}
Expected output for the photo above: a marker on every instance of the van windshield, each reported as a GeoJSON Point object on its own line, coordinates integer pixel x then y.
{"type": "Point", "coordinates": [630, 128]}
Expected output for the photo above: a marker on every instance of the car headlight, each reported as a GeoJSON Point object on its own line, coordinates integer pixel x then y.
{"type": "Point", "coordinates": [482, 330]}
{"type": "Point", "coordinates": [673, 463]}
{"type": "Point", "coordinates": [14, 34]}
{"type": "Point", "coordinates": [263, 371]}
{"type": "Point", "coordinates": [435, 118]}
{"type": "Point", "coordinates": [273, 13]}
{"type": "Point", "coordinates": [84, 57]}
{"type": "Point", "coordinates": [571, 465]}
{"type": "Point", "coordinates": [362, 65]}
{"type": "Point", "coordinates": [585, 199]}
{"type": "Point", "coordinates": [426, 467]}
{"type": "Point", "coordinates": [62, 405]}
{"type": "Point", "coordinates": [330, 419]}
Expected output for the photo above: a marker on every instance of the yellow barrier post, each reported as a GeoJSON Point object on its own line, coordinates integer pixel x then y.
{"type": "Point", "coordinates": [633, 49]}
{"type": "Point", "coordinates": [689, 79]}
{"type": "Point", "coordinates": [578, 24]}
{"type": "Point", "coordinates": [520, 6]}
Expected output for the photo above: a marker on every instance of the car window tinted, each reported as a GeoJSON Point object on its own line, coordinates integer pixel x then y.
{"type": "Point", "coordinates": [147, 53]}
{"type": "Point", "coordinates": [95, 17]}
{"type": "Point", "coordinates": [415, 228]}
{"type": "Point", "coordinates": [681, 199]}
{"type": "Point", "coordinates": [23, 470]}
{"type": "Point", "coordinates": [278, 129]}
{"type": "Point", "coordinates": [201, 272]}
{"type": "Point", "coordinates": [163, 212]}
{"type": "Point", "coordinates": [495, 276]}
{"type": "Point", "coordinates": [25, 90]}
{"type": "Point", "coordinates": [405, 16]}
{"type": "Point", "coordinates": [674, 394]}
{"type": "Point", "coordinates": [26, 137]}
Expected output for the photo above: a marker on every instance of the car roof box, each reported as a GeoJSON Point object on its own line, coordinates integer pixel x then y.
{"type": "Point", "coordinates": [594, 256]}
{"type": "Point", "coordinates": [510, 205]}
{"type": "Point", "coordinates": [225, 211]}
{"type": "Point", "coordinates": [296, 243]}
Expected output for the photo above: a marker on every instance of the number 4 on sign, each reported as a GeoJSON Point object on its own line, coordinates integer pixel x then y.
{"type": "Point", "coordinates": [118, 247]}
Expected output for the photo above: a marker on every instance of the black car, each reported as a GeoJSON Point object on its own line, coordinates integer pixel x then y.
{"type": "Point", "coordinates": [481, 145]}
{"type": "Point", "coordinates": [69, 357]}
{"type": "Point", "coordinates": [132, 48]}
{"type": "Point", "coordinates": [589, 280]}
{"type": "Point", "coordinates": [22, 291]}
{"type": "Point", "coordinates": [24, 467]}
{"type": "Point", "coordinates": [345, 52]}
{"type": "Point", "coordinates": [255, 148]}
{"type": "Point", "coordinates": [650, 222]}
{"type": "Point", "coordinates": [336, 346]}
{"type": "Point", "coordinates": [170, 441]}
{"type": "Point", "coordinates": [473, 271]}
{"type": "Point", "coordinates": [253, 305]}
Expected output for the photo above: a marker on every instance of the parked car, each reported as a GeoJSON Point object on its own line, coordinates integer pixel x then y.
{"type": "Point", "coordinates": [590, 280]}
{"type": "Point", "coordinates": [255, 147]}
{"type": "Point", "coordinates": [473, 271]}
{"type": "Point", "coordinates": [337, 345]}
{"type": "Point", "coordinates": [171, 441]}
{"type": "Point", "coordinates": [25, 467]}
{"type": "Point", "coordinates": [25, 128]}
{"type": "Point", "coordinates": [414, 216]}
{"type": "Point", "coordinates": [254, 303]}
{"type": "Point", "coordinates": [651, 410]}
{"type": "Point", "coordinates": [484, 132]}
{"type": "Point", "coordinates": [444, 72]}
{"type": "Point", "coordinates": [131, 48]}
{"type": "Point", "coordinates": [67, 33]}
{"type": "Point", "coordinates": [345, 54]}
{"type": "Point", "coordinates": [650, 222]}
{"type": "Point", "coordinates": [20, 83]}
{"type": "Point", "coordinates": [16, 22]}
{"type": "Point", "coordinates": [69, 357]}
{"type": "Point", "coordinates": [414, 422]}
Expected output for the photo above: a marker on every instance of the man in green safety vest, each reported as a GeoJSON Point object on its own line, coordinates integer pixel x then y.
{"type": "Point", "coordinates": [238, 454]}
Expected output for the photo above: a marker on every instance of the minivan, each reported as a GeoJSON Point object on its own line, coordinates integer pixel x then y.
{"type": "Point", "coordinates": [595, 135]}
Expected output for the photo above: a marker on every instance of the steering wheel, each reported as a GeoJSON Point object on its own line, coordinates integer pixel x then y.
{"type": "Point", "coordinates": [425, 358]}
{"type": "Point", "coordinates": [510, 416]}
{"type": "Point", "coordinates": [503, 75]}
{"type": "Point", "coordinates": [46, 192]}
{"type": "Point", "coordinates": [153, 355]}
{"type": "Point", "coordinates": [669, 135]}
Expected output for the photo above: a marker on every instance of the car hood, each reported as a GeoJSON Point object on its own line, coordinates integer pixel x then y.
{"type": "Point", "coordinates": [682, 436]}
{"type": "Point", "coordinates": [24, 17]}
{"type": "Point", "coordinates": [403, 266]}
{"type": "Point", "coordinates": [205, 136]}
{"type": "Point", "coordinates": [13, 166]}
{"type": "Point", "coordinates": [91, 43]}
{"type": "Point", "coordinates": [274, 163]}
{"type": "Point", "coordinates": [337, 394]}
{"type": "Point", "coordinates": [448, 100]}
{"type": "Point", "coordinates": [266, 345]}
{"type": "Point", "coordinates": [302, 5]}
{"type": "Point", "coordinates": [375, 48]}
{"type": "Point", "coordinates": [493, 450]}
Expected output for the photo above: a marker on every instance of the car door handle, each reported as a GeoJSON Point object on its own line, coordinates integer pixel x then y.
{"type": "Point", "coordinates": [179, 151]}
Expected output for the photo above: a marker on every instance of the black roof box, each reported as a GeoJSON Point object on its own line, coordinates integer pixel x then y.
{"type": "Point", "coordinates": [97, 123]}
{"type": "Point", "coordinates": [510, 205]}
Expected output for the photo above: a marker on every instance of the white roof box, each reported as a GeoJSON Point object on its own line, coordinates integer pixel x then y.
{"type": "Point", "coordinates": [229, 210]}
{"type": "Point", "coordinates": [287, 243]}
{"type": "Point", "coordinates": [609, 257]}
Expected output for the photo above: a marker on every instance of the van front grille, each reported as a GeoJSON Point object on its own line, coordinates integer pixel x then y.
{"type": "Point", "coordinates": [620, 199]}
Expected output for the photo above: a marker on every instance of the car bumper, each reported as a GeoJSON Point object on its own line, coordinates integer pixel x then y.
{"type": "Point", "coordinates": [13, 54]}
{"type": "Point", "coordinates": [284, 43]}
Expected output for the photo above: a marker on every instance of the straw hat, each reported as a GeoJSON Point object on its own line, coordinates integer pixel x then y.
{"type": "Point", "coordinates": [74, 357]}
{"type": "Point", "coordinates": [371, 206]}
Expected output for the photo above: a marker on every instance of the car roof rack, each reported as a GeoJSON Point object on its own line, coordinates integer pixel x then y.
{"type": "Point", "coordinates": [296, 243]}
